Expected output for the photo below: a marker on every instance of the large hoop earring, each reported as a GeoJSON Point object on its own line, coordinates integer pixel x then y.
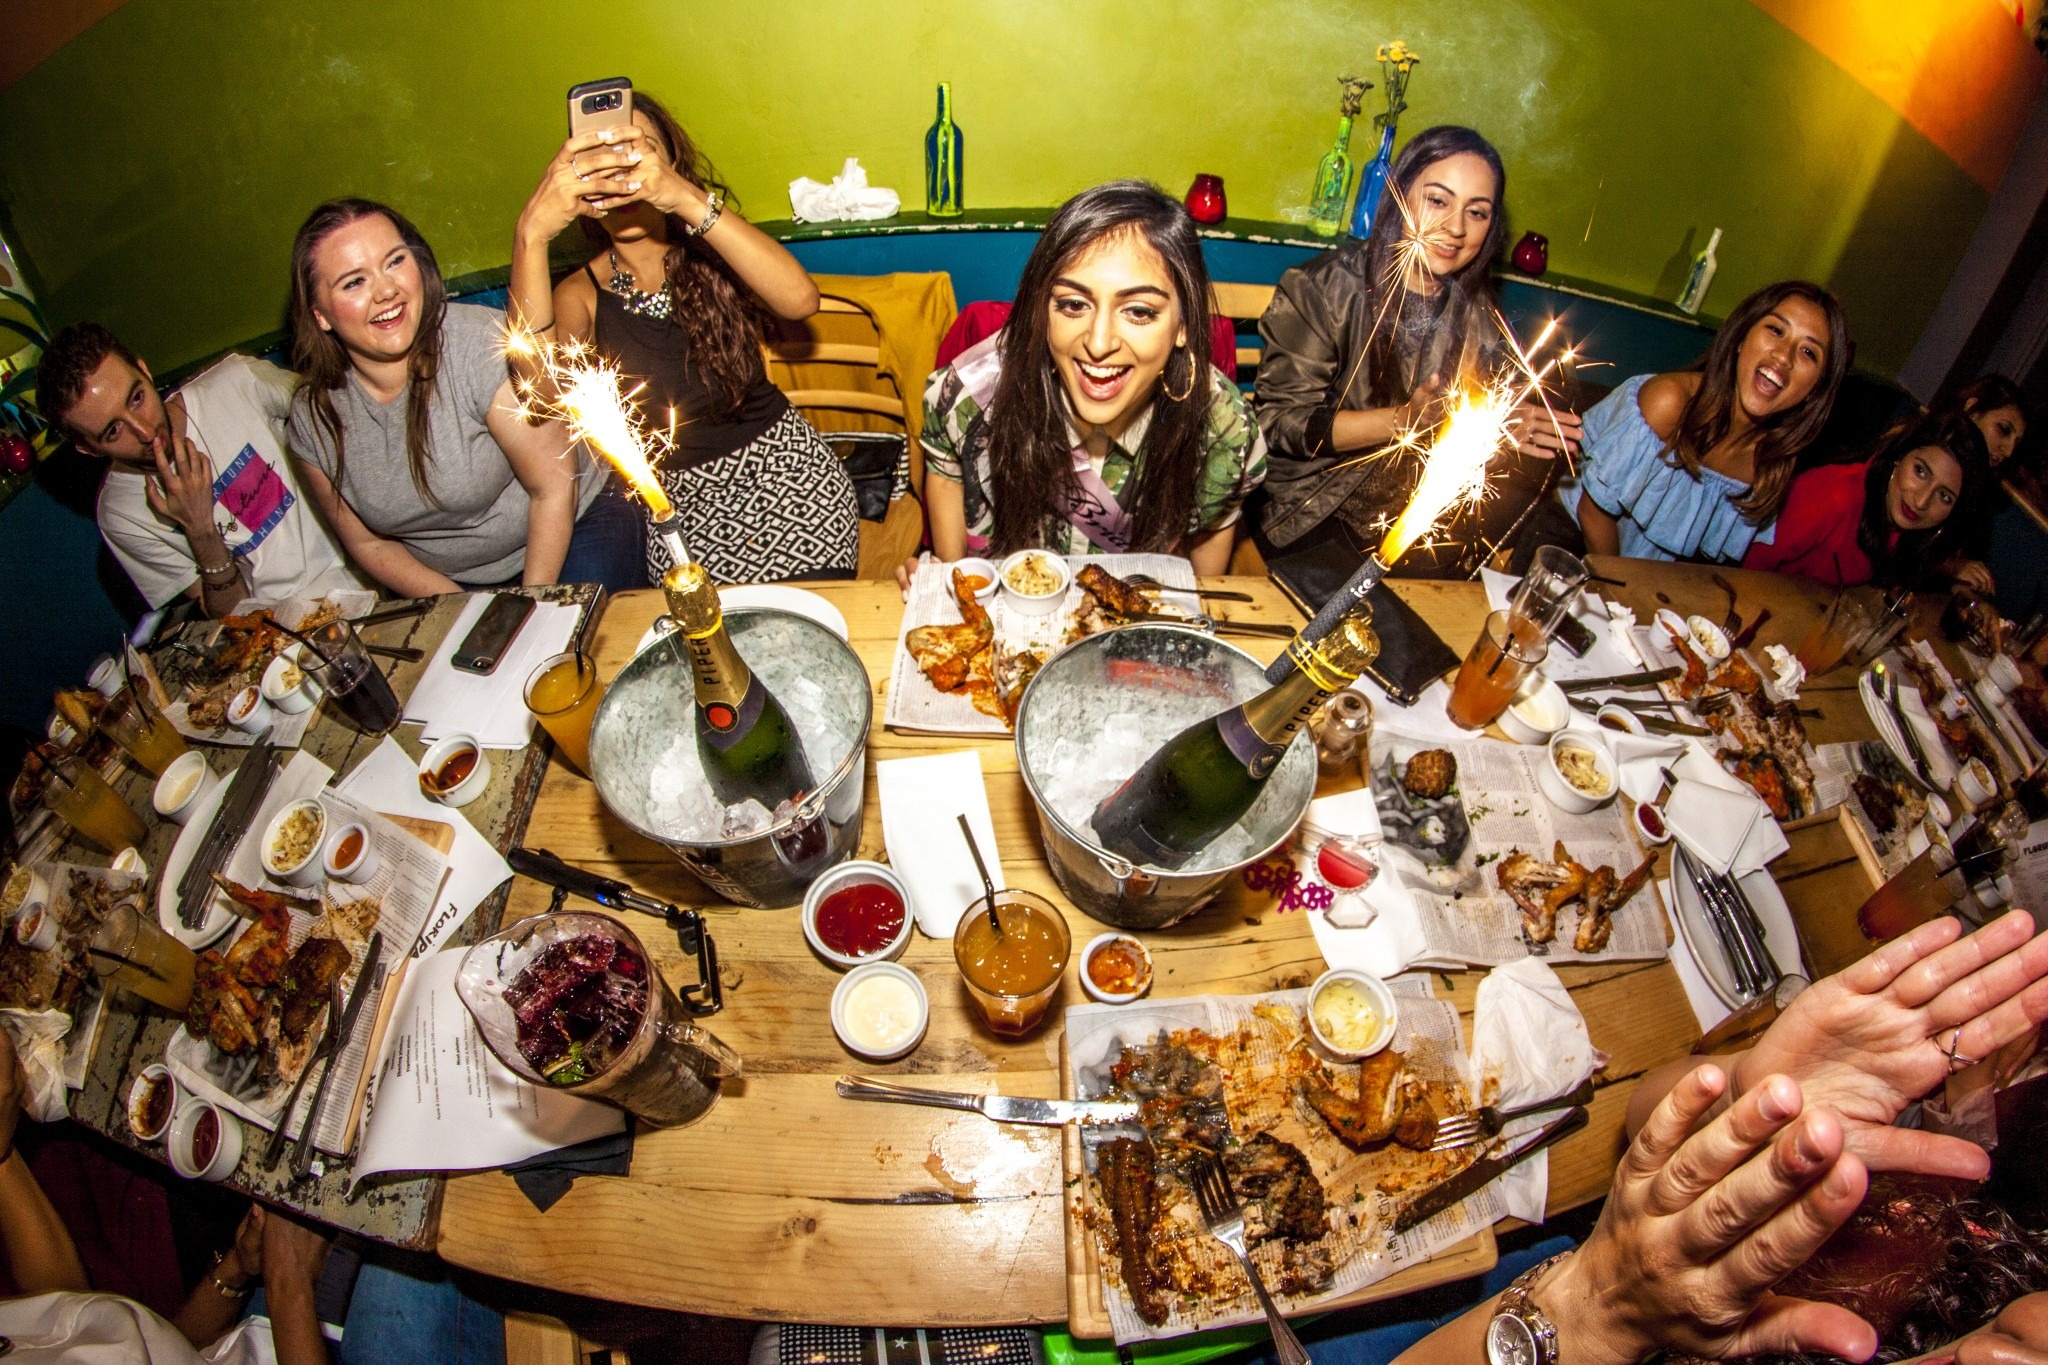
{"type": "Point", "coordinates": [1185, 393]}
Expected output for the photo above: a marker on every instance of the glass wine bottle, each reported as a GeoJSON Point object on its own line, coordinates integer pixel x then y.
{"type": "Point", "coordinates": [943, 153]}
{"type": "Point", "coordinates": [748, 746]}
{"type": "Point", "coordinates": [1333, 172]}
{"type": "Point", "coordinates": [1203, 780]}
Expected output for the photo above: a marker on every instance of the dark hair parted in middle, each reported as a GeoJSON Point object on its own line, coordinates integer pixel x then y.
{"type": "Point", "coordinates": [1709, 414]}
{"type": "Point", "coordinates": [1030, 463]}
{"type": "Point", "coordinates": [1916, 554]}
{"type": "Point", "coordinates": [323, 362]}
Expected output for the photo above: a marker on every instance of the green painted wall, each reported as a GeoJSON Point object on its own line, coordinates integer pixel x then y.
{"type": "Point", "coordinates": [154, 169]}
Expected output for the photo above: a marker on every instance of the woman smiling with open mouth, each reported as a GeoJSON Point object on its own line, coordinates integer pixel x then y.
{"type": "Point", "coordinates": [1094, 422]}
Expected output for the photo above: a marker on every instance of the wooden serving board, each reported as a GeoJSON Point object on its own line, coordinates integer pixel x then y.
{"type": "Point", "coordinates": [1088, 1313]}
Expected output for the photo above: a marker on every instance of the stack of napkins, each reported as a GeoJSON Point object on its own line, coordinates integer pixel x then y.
{"type": "Point", "coordinates": [922, 802]}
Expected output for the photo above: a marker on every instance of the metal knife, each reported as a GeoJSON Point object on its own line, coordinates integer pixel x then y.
{"type": "Point", "coordinates": [1888, 692]}
{"type": "Point", "coordinates": [337, 1039]}
{"type": "Point", "coordinates": [251, 780]}
{"type": "Point", "coordinates": [1649, 678]}
{"type": "Point", "coordinates": [1479, 1174]}
{"type": "Point", "coordinates": [1001, 1108]}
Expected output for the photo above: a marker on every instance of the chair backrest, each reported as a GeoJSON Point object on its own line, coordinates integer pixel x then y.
{"type": "Point", "coordinates": [1244, 305]}
{"type": "Point", "coordinates": [843, 335]}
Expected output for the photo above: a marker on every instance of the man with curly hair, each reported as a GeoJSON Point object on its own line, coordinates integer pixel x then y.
{"type": "Point", "coordinates": [199, 498]}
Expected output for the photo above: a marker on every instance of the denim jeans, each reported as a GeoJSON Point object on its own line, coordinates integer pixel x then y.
{"type": "Point", "coordinates": [399, 1319]}
{"type": "Point", "coordinates": [609, 543]}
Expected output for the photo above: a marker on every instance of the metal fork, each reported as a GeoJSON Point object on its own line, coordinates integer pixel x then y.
{"type": "Point", "coordinates": [1462, 1130]}
{"type": "Point", "coordinates": [1147, 583]}
{"type": "Point", "coordinates": [1225, 1218]}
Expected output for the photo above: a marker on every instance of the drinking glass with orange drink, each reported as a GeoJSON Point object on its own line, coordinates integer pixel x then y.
{"type": "Point", "coordinates": [142, 730]}
{"type": "Point", "coordinates": [93, 809]}
{"type": "Point", "coordinates": [133, 951]}
{"type": "Point", "coordinates": [1012, 973]}
{"type": "Point", "coordinates": [563, 694]}
{"type": "Point", "coordinates": [1508, 649]}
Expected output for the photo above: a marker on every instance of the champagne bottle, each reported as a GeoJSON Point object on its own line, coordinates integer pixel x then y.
{"type": "Point", "coordinates": [745, 739]}
{"type": "Point", "coordinates": [944, 151]}
{"type": "Point", "coordinates": [1203, 780]}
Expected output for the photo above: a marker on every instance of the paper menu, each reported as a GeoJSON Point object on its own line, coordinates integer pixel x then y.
{"type": "Point", "coordinates": [442, 1102]}
{"type": "Point", "coordinates": [388, 780]}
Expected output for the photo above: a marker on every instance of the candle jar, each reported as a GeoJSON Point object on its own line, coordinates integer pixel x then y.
{"type": "Point", "coordinates": [1532, 253]}
{"type": "Point", "coordinates": [1205, 201]}
{"type": "Point", "coordinates": [1342, 727]}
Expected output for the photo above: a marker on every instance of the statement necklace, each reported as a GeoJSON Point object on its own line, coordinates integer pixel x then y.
{"type": "Point", "coordinates": [632, 298]}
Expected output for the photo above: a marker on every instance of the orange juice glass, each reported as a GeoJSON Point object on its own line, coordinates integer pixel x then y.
{"type": "Point", "coordinates": [563, 694]}
{"type": "Point", "coordinates": [93, 809]}
{"type": "Point", "coordinates": [1012, 976]}
{"type": "Point", "coordinates": [141, 729]}
{"type": "Point", "coordinates": [1508, 649]}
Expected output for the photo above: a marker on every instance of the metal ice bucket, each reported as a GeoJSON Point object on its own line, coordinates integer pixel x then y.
{"type": "Point", "coordinates": [1181, 676]}
{"type": "Point", "coordinates": [650, 704]}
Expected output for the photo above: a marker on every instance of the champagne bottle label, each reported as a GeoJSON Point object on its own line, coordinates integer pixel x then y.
{"type": "Point", "coordinates": [728, 707]}
{"type": "Point", "coordinates": [1252, 749]}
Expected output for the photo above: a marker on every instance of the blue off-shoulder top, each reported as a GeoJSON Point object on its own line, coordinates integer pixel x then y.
{"type": "Point", "coordinates": [1665, 513]}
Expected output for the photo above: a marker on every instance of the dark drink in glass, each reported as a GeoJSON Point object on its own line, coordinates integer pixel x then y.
{"type": "Point", "coordinates": [363, 694]}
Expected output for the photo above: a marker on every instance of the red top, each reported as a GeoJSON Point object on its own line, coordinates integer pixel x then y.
{"type": "Point", "coordinates": [1816, 530]}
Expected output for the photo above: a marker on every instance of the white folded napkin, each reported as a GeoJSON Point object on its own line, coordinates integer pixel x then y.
{"type": "Point", "coordinates": [922, 801]}
{"type": "Point", "coordinates": [1527, 1031]}
{"type": "Point", "coordinates": [1718, 819]}
{"type": "Point", "coordinates": [448, 701]}
{"type": "Point", "coordinates": [1640, 760]}
{"type": "Point", "coordinates": [38, 1040]}
{"type": "Point", "coordinates": [848, 197]}
{"type": "Point", "coordinates": [1941, 766]}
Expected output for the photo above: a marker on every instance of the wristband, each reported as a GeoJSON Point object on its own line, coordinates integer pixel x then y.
{"type": "Point", "coordinates": [221, 1286]}
{"type": "Point", "coordinates": [218, 569]}
{"type": "Point", "coordinates": [717, 202]}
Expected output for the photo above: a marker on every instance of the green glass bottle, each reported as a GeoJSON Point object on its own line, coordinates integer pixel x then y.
{"type": "Point", "coordinates": [745, 739]}
{"type": "Point", "coordinates": [1333, 172]}
{"type": "Point", "coordinates": [1203, 780]}
{"type": "Point", "coordinates": [943, 156]}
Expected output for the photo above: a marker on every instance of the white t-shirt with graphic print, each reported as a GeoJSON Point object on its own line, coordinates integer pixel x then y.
{"type": "Point", "coordinates": [235, 412]}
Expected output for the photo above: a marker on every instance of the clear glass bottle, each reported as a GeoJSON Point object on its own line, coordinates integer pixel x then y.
{"type": "Point", "coordinates": [1333, 172]}
{"type": "Point", "coordinates": [943, 156]}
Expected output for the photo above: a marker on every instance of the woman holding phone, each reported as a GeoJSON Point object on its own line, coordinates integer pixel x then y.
{"type": "Point", "coordinates": [409, 437]}
{"type": "Point", "coordinates": [1093, 421]}
{"type": "Point", "coordinates": [675, 294]}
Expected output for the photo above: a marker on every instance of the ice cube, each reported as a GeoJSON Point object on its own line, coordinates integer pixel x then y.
{"type": "Point", "coordinates": [747, 818]}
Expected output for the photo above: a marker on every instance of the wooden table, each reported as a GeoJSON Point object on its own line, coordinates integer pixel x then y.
{"type": "Point", "coordinates": [133, 1035]}
{"type": "Point", "coordinates": [788, 1203]}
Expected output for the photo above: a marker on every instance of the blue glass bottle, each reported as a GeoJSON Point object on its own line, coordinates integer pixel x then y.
{"type": "Point", "coordinates": [943, 157]}
{"type": "Point", "coordinates": [1373, 184]}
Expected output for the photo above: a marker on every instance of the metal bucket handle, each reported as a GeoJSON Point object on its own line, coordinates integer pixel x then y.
{"type": "Point", "coordinates": [1128, 876]}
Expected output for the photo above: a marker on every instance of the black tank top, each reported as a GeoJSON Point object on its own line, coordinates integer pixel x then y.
{"type": "Point", "coordinates": [656, 353]}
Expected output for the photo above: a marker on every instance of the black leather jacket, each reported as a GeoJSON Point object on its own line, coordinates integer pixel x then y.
{"type": "Point", "coordinates": [1316, 331]}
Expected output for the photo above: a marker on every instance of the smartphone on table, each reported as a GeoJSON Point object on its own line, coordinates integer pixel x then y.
{"type": "Point", "coordinates": [492, 634]}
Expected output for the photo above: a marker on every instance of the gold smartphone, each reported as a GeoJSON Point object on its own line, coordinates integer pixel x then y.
{"type": "Point", "coordinates": [596, 105]}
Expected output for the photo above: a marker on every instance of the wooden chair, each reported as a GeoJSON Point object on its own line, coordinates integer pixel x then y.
{"type": "Point", "coordinates": [1244, 305]}
{"type": "Point", "coordinates": [828, 366]}
{"type": "Point", "coordinates": [536, 1339]}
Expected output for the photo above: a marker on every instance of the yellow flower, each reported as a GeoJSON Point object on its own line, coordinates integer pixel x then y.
{"type": "Point", "coordinates": [1381, 55]}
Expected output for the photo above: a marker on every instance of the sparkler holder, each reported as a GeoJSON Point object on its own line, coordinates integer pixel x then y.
{"type": "Point", "coordinates": [1342, 603]}
{"type": "Point", "coordinates": [668, 530]}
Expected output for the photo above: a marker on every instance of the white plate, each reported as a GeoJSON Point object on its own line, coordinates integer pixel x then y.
{"type": "Point", "coordinates": [1941, 767]}
{"type": "Point", "coordinates": [1780, 937]}
{"type": "Point", "coordinates": [220, 916]}
{"type": "Point", "coordinates": [779, 596]}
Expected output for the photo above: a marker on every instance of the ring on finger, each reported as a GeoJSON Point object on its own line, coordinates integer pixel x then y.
{"type": "Point", "coordinates": [1957, 1059]}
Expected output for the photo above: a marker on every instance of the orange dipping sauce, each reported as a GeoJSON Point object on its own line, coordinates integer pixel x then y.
{"type": "Point", "coordinates": [974, 581]}
{"type": "Point", "coordinates": [1118, 968]}
{"type": "Point", "coordinates": [455, 769]}
{"type": "Point", "coordinates": [350, 849]}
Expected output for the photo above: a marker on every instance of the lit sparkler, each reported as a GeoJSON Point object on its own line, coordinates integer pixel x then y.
{"type": "Point", "coordinates": [582, 389]}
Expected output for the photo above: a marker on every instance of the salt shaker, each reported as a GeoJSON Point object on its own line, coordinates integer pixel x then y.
{"type": "Point", "coordinates": [1342, 730]}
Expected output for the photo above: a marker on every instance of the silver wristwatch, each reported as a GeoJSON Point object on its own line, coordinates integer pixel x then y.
{"type": "Point", "coordinates": [1520, 1332]}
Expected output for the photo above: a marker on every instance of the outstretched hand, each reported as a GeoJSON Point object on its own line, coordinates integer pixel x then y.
{"type": "Point", "coordinates": [1701, 1224]}
{"type": "Point", "coordinates": [1872, 1039]}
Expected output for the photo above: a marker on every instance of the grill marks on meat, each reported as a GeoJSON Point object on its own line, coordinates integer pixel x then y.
{"type": "Point", "coordinates": [1279, 1189]}
{"type": "Point", "coordinates": [1112, 593]}
{"type": "Point", "coordinates": [308, 981]}
{"type": "Point", "coordinates": [223, 1011]}
{"type": "Point", "coordinates": [1128, 1169]}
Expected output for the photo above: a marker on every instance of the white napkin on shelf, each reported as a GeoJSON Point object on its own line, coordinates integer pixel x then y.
{"type": "Point", "coordinates": [922, 801]}
{"type": "Point", "coordinates": [1720, 820]}
{"type": "Point", "coordinates": [448, 701]}
{"type": "Point", "coordinates": [1527, 1031]}
{"type": "Point", "coordinates": [847, 198]}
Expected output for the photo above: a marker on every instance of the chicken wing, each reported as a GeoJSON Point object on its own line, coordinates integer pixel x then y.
{"type": "Point", "coordinates": [948, 654]}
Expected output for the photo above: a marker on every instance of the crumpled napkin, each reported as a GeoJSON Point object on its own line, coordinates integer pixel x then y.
{"type": "Point", "coordinates": [1527, 1031]}
{"type": "Point", "coordinates": [847, 198]}
{"type": "Point", "coordinates": [1719, 819]}
{"type": "Point", "coordinates": [1640, 760]}
{"type": "Point", "coordinates": [38, 1040]}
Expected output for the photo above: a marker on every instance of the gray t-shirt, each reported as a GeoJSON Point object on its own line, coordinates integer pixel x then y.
{"type": "Point", "coordinates": [478, 533]}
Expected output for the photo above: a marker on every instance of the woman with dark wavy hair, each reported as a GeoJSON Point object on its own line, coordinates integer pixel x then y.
{"type": "Point", "coordinates": [676, 295]}
{"type": "Point", "coordinates": [1691, 465]}
{"type": "Point", "coordinates": [1892, 517]}
{"type": "Point", "coordinates": [1362, 343]}
{"type": "Point", "coordinates": [408, 434]}
{"type": "Point", "coordinates": [1094, 421]}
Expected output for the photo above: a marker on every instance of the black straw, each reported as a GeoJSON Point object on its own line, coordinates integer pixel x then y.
{"type": "Point", "coordinates": [987, 885]}
{"type": "Point", "coordinates": [305, 640]}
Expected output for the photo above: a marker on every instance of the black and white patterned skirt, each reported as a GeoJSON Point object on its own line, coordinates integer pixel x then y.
{"type": "Point", "coordinates": [778, 507]}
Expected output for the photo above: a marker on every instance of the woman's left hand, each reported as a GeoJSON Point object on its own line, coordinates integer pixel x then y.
{"type": "Point", "coordinates": [1545, 432]}
{"type": "Point", "coordinates": [657, 184]}
{"type": "Point", "coordinates": [1974, 575]}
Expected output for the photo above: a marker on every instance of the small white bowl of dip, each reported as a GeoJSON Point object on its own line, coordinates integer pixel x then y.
{"type": "Point", "coordinates": [1035, 581]}
{"type": "Point", "coordinates": [1539, 711]}
{"type": "Point", "coordinates": [880, 1011]}
{"type": "Point", "coordinates": [1351, 1013]}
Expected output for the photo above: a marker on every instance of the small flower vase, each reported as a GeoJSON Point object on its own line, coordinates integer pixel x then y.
{"type": "Point", "coordinates": [1372, 184]}
{"type": "Point", "coordinates": [944, 152]}
{"type": "Point", "coordinates": [1205, 200]}
{"type": "Point", "coordinates": [1532, 253]}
